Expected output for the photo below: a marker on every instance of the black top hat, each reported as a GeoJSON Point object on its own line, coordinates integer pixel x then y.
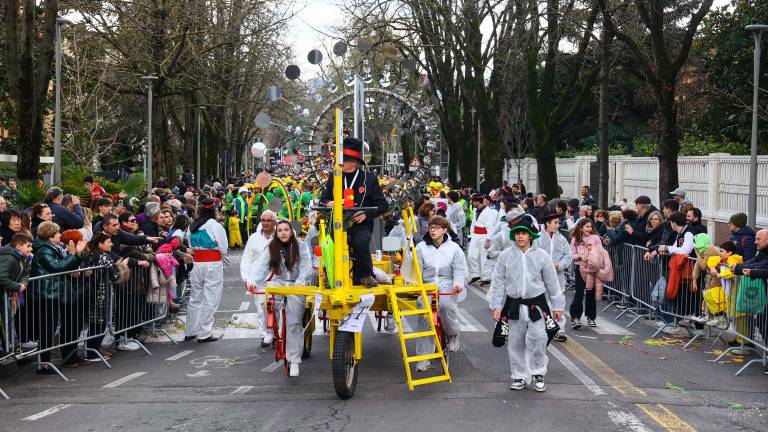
{"type": "Point", "coordinates": [548, 216]}
{"type": "Point", "coordinates": [353, 149]}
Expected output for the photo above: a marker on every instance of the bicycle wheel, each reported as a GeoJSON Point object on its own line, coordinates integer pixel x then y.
{"type": "Point", "coordinates": [307, 333]}
{"type": "Point", "coordinates": [344, 365]}
{"type": "Point", "coordinates": [282, 343]}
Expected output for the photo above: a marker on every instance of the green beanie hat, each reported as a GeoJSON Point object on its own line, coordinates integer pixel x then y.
{"type": "Point", "coordinates": [739, 220]}
{"type": "Point", "coordinates": [701, 242]}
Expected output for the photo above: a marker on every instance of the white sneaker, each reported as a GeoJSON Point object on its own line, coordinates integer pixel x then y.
{"type": "Point", "coordinates": [716, 322]}
{"type": "Point", "coordinates": [453, 343]}
{"type": "Point", "coordinates": [390, 325]}
{"type": "Point", "coordinates": [538, 383]}
{"type": "Point", "coordinates": [294, 370]}
{"type": "Point", "coordinates": [126, 345]}
{"type": "Point", "coordinates": [268, 338]}
{"type": "Point", "coordinates": [422, 365]}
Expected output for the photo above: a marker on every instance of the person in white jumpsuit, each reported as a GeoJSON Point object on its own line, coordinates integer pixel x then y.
{"type": "Point", "coordinates": [254, 248]}
{"type": "Point", "coordinates": [523, 276]}
{"type": "Point", "coordinates": [208, 239]}
{"type": "Point", "coordinates": [292, 266]}
{"type": "Point", "coordinates": [442, 262]}
{"type": "Point", "coordinates": [483, 226]}
{"type": "Point", "coordinates": [456, 216]}
{"type": "Point", "coordinates": [557, 246]}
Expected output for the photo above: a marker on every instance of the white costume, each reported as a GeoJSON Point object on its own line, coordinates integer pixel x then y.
{"type": "Point", "coordinates": [558, 248]}
{"type": "Point", "coordinates": [483, 224]}
{"type": "Point", "coordinates": [294, 309]}
{"type": "Point", "coordinates": [255, 247]}
{"type": "Point", "coordinates": [445, 266]}
{"type": "Point", "coordinates": [458, 219]}
{"type": "Point", "coordinates": [207, 279]}
{"type": "Point", "coordinates": [526, 276]}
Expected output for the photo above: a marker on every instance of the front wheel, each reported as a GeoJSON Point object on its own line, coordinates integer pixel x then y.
{"type": "Point", "coordinates": [344, 365]}
{"type": "Point", "coordinates": [309, 327]}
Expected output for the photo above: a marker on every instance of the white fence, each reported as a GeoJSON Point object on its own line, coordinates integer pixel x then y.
{"type": "Point", "coordinates": [717, 184]}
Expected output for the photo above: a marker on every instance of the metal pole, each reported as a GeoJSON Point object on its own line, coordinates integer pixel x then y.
{"type": "Point", "coordinates": [198, 176]}
{"type": "Point", "coordinates": [57, 115]}
{"type": "Point", "coordinates": [757, 31]}
{"type": "Point", "coordinates": [479, 134]}
{"type": "Point", "coordinates": [149, 136]}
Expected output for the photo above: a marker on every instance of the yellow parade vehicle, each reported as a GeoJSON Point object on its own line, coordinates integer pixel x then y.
{"type": "Point", "coordinates": [346, 306]}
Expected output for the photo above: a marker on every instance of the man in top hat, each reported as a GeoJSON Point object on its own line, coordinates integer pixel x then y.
{"type": "Point", "coordinates": [483, 225]}
{"type": "Point", "coordinates": [367, 193]}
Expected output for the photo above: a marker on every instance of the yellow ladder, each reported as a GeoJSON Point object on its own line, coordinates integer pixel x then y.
{"type": "Point", "coordinates": [401, 308]}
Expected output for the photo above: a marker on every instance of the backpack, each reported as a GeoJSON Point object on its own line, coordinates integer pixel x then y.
{"type": "Point", "coordinates": [751, 297]}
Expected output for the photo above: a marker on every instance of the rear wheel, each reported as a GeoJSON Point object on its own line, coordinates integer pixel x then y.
{"type": "Point", "coordinates": [310, 329]}
{"type": "Point", "coordinates": [344, 365]}
{"type": "Point", "coordinates": [442, 338]}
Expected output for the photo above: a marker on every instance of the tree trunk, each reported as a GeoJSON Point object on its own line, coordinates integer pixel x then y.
{"type": "Point", "coordinates": [190, 132]}
{"type": "Point", "coordinates": [603, 122]}
{"type": "Point", "coordinates": [546, 168]}
{"type": "Point", "coordinates": [668, 146]}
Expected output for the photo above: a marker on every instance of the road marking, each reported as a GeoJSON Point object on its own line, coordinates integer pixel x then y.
{"type": "Point", "coordinates": [243, 307]}
{"type": "Point", "coordinates": [123, 380]}
{"type": "Point", "coordinates": [47, 412]}
{"type": "Point", "coordinates": [666, 418]}
{"type": "Point", "coordinates": [602, 370]}
{"type": "Point", "coordinates": [242, 390]}
{"type": "Point", "coordinates": [627, 421]}
{"type": "Point", "coordinates": [273, 366]}
{"type": "Point", "coordinates": [479, 293]}
{"type": "Point", "coordinates": [605, 327]}
{"type": "Point", "coordinates": [199, 374]}
{"type": "Point", "coordinates": [180, 355]}
{"type": "Point", "coordinates": [578, 373]}
{"type": "Point", "coordinates": [468, 323]}
{"type": "Point", "coordinates": [659, 413]}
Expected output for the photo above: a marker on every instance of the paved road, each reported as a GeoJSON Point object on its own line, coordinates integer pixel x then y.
{"type": "Point", "coordinates": [604, 379]}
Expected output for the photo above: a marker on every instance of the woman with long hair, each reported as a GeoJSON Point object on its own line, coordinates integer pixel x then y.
{"type": "Point", "coordinates": [99, 254]}
{"type": "Point", "coordinates": [209, 242]}
{"type": "Point", "coordinates": [287, 262]}
{"type": "Point", "coordinates": [584, 244]}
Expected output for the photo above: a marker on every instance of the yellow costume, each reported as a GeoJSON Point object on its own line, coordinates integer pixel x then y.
{"type": "Point", "coordinates": [235, 240]}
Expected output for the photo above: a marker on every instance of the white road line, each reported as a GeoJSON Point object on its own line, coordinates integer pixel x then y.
{"type": "Point", "coordinates": [469, 323]}
{"type": "Point", "coordinates": [479, 293]}
{"type": "Point", "coordinates": [124, 380]}
{"type": "Point", "coordinates": [242, 390]}
{"type": "Point", "coordinates": [47, 412]}
{"type": "Point", "coordinates": [622, 419]}
{"type": "Point", "coordinates": [273, 366]}
{"type": "Point", "coordinates": [578, 373]}
{"type": "Point", "coordinates": [605, 327]}
{"type": "Point", "coordinates": [180, 355]}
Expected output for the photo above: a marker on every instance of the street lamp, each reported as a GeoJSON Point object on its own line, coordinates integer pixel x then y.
{"type": "Point", "coordinates": [60, 22]}
{"type": "Point", "coordinates": [757, 32]}
{"type": "Point", "coordinates": [150, 81]}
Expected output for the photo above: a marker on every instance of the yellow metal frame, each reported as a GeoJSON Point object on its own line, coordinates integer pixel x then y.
{"type": "Point", "coordinates": [339, 299]}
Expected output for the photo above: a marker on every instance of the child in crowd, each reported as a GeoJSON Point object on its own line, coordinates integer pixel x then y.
{"type": "Point", "coordinates": [233, 225]}
{"type": "Point", "coordinates": [15, 259]}
{"type": "Point", "coordinates": [721, 268]}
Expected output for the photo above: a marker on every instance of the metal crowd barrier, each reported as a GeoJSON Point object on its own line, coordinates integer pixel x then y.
{"type": "Point", "coordinates": [57, 311]}
{"type": "Point", "coordinates": [140, 301]}
{"type": "Point", "coordinates": [663, 287]}
{"type": "Point", "coordinates": [76, 310]}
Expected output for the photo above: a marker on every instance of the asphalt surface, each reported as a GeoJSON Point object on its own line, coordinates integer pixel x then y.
{"type": "Point", "coordinates": [604, 379]}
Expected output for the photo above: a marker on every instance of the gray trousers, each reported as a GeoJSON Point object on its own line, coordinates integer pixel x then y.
{"type": "Point", "coordinates": [527, 346]}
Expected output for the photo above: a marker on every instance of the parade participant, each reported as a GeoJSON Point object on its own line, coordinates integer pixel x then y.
{"type": "Point", "coordinates": [455, 215]}
{"type": "Point", "coordinates": [482, 225]}
{"type": "Point", "coordinates": [442, 262]}
{"type": "Point", "coordinates": [241, 207]}
{"type": "Point", "coordinates": [209, 242]}
{"type": "Point", "coordinates": [367, 193]}
{"type": "Point", "coordinates": [286, 262]}
{"type": "Point", "coordinates": [557, 246]}
{"type": "Point", "coordinates": [523, 277]}
{"type": "Point", "coordinates": [257, 244]}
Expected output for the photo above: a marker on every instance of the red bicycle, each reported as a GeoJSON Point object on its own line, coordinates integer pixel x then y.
{"type": "Point", "coordinates": [276, 321]}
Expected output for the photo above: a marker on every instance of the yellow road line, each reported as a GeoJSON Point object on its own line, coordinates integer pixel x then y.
{"type": "Point", "coordinates": [658, 412]}
{"type": "Point", "coordinates": [666, 418]}
{"type": "Point", "coordinates": [602, 370]}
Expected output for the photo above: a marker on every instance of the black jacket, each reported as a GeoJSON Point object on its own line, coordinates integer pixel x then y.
{"type": "Point", "coordinates": [66, 218]}
{"type": "Point", "coordinates": [367, 193]}
{"type": "Point", "coordinates": [758, 265]}
{"type": "Point", "coordinates": [697, 228]}
{"type": "Point", "coordinates": [14, 269]}
{"type": "Point", "coordinates": [127, 239]}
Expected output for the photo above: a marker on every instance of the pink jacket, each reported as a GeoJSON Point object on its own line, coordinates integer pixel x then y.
{"type": "Point", "coordinates": [594, 263]}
